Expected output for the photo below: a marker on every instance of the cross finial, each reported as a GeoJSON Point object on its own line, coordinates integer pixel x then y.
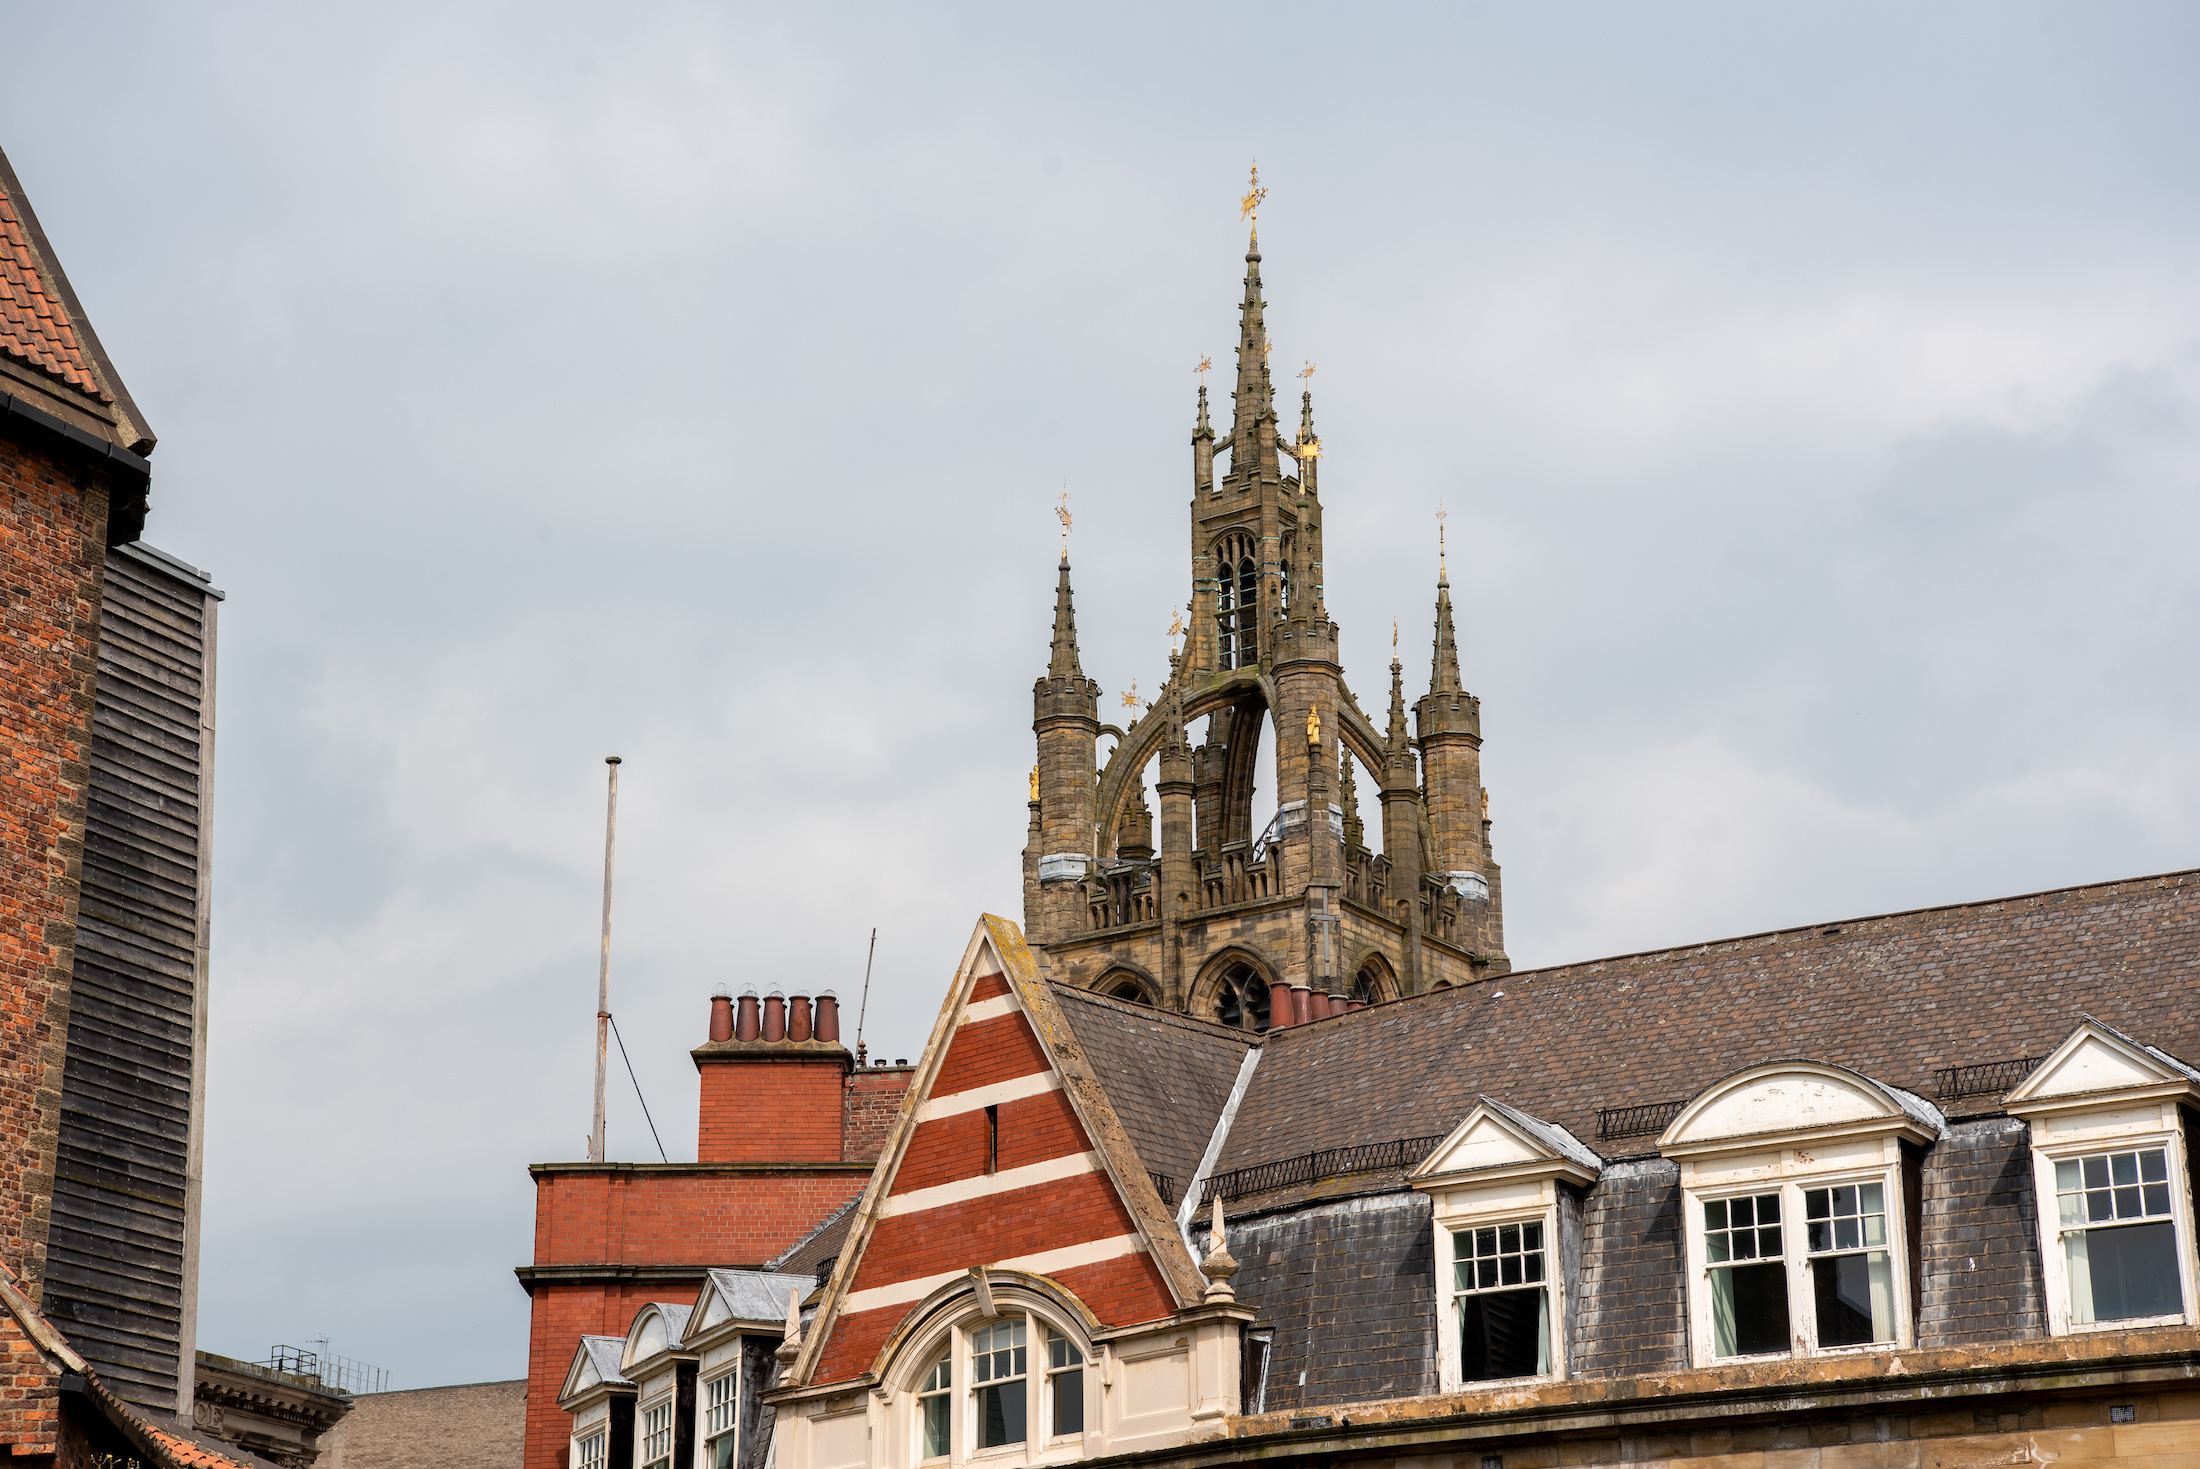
{"type": "Point", "coordinates": [1206, 365]}
{"type": "Point", "coordinates": [1441, 573]}
{"type": "Point", "coordinates": [1061, 512]}
{"type": "Point", "coordinates": [1308, 370]}
{"type": "Point", "coordinates": [1130, 700]}
{"type": "Point", "coordinates": [1249, 205]}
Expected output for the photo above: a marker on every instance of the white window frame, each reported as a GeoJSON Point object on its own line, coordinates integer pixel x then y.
{"type": "Point", "coordinates": [2103, 1092]}
{"type": "Point", "coordinates": [956, 1341]}
{"type": "Point", "coordinates": [1740, 1136]}
{"type": "Point", "coordinates": [731, 1378]}
{"type": "Point", "coordinates": [2113, 1133]}
{"type": "Point", "coordinates": [598, 1435]}
{"type": "Point", "coordinates": [1799, 1173]}
{"type": "Point", "coordinates": [1499, 1167]}
{"type": "Point", "coordinates": [668, 1403]}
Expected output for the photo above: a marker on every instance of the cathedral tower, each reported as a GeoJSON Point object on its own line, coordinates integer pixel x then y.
{"type": "Point", "coordinates": [1301, 919]}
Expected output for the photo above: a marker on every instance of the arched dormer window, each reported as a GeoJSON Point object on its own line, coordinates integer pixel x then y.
{"type": "Point", "coordinates": [983, 1377]}
{"type": "Point", "coordinates": [1796, 1182]}
{"type": "Point", "coordinates": [1237, 601]}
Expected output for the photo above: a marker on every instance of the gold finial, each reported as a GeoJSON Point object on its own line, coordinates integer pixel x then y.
{"type": "Point", "coordinates": [1314, 726]}
{"type": "Point", "coordinates": [1130, 700]}
{"type": "Point", "coordinates": [1441, 573]}
{"type": "Point", "coordinates": [1249, 205]}
{"type": "Point", "coordinates": [1267, 346]}
{"type": "Point", "coordinates": [1176, 628]}
{"type": "Point", "coordinates": [1394, 636]}
{"type": "Point", "coordinates": [1307, 371]}
{"type": "Point", "coordinates": [1061, 511]}
{"type": "Point", "coordinates": [1311, 449]}
{"type": "Point", "coordinates": [1034, 782]}
{"type": "Point", "coordinates": [1206, 365]}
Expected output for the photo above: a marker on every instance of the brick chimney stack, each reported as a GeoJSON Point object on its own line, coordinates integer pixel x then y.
{"type": "Point", "coordinates": [772, 1085]}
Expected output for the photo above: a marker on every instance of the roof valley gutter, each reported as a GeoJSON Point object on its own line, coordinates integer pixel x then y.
{"type": "Point", "coordinates": [1189, 1205]}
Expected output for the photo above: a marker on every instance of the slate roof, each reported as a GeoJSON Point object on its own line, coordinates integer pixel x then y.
{"type": "Point", "coordinates": [604, 1353]}
{"type": "Point", "coordinates": [815, 1248]}
{"type": "Point", "coordinates": [758, 1295]}
{"type": "Point", "coordinates": [1167, 1076]}
{"type": "Point", "coordinates": [1895, 997]}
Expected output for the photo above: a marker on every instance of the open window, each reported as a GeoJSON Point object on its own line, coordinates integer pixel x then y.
{"type": "Point", "coordinates": [1505, 1197]}
{"type": "Point", "coordinates": [1797, 1188]}
{"type": "Point", "coordinates": [2110, 1122]}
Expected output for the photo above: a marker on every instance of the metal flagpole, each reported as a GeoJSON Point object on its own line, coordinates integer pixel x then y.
{"type": "Point", "coordinates": [603, 972]}
{"type": "Point", "coordinates": [864, 1008]}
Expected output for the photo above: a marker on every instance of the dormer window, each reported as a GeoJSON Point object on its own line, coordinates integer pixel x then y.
{"type": "Point", "coordinates": [1503, 1189]}
{"type": "Point", "coordinates": [592, 1452]}
{"type": "Point", "coordinates": [657, 1434]}
{"type": "Point", "coordinates": [998, 1378]}
{"type": "Point", "coordinates": [2109, 1119]}
{"type": "Point", "coordinates": [1792, 1178]}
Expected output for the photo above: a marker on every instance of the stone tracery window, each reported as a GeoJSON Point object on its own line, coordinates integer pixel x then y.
{"type": "Point", "coordinates": [1237, 601]}
{"type": "Point", "coordinates": [1242, 998]}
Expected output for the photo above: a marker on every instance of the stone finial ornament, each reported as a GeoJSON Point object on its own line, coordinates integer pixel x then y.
{"type": "Point", "coordinates": [1219, 1266]}
{"type": "Point", "coordinates": [791, 1346]}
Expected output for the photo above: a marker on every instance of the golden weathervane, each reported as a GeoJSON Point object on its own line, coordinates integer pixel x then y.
{"type": "Point", "coordinates": [1130, 700]}
{"type": "Point", "coordinates": [1308, 370]}
{"type": "Point", "coordinates": [1206, 365]}
{"type": "Point", "coordinates": [1249, 206]}
{"type": "Point", "coordinates": [1061, 512]}
{"type": "Point", "coordinates": [1176, 628]}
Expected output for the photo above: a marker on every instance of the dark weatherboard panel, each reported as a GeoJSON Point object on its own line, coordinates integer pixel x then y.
{"type": "Point", "coordinates": [122, 1258]}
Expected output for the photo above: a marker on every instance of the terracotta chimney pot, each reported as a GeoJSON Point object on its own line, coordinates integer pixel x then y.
{"type": "Point", "coordinates": [745, 1027]}
{"type": "Point", "coordinates": [798, 1017]}
{"type": "Point", "coordinates": [828, 1016]}
{"type": "Point", "coordinates": [721, 1016]}
{"type": "Point", "coordinates": [775, 1016]}
{"type": "Point", "coordinates": [1279, 1005]}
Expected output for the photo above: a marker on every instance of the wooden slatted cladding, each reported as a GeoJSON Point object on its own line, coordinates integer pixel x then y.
{"type": "Point", "coordinates": [121, 1263]}
{"type": "Point", "coordinates": [1000, 1172]}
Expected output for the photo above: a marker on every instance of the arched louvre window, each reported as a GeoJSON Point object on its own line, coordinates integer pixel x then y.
{"type": "Point", "coordinates": [1237, 601]}
{"type": "Point", "coordinates": [1243, 999]}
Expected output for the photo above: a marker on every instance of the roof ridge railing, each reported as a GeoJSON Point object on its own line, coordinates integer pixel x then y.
{"type": "Point", "coordinates": [1326, 1163]}
{"type": "Point", "coordinates": [1163, 1185]}
{"type": "Point", "coordinates": [1637, 1119]}
{"type": "Point", "coordinates": [1985, 1079]}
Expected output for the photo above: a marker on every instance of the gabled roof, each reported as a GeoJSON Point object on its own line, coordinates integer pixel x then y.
{"type": "Point", "coordinates": [1084, 1213]}
{"type": "Point", "coordinates": [2097, 1059]}
{"type": "Point", "coordinates": [44, 329]}
{"type": "Point", "coordinates": [595, 1363]}
{"type": "Point", "coordinates": [1494, 1137]}
{"type": "Point", "coordinates": [1895, 997]}
{"type": "Point", "coordinates": [743, 1295]}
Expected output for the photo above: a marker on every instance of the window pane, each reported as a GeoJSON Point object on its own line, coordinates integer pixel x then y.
{"type": "Point", "coordinates": [935, 1427]}
{"type": "Point", "coordinates": [1873, 1199]}
{"type": "Point", "coordinates": [2154, 1167]}
{"type": "Point", "coordinates": [1531, 1236]}
{"type": "Point", "coordinates": [1817, 1203]}
{"type": "Point", "coordinates": [1069, 1402]}
{"type": "Point", "coordinates": [2120, 1274]}
{"type": "Point", "coordinates": [2123, 1168]}
{"type": "Point", "coordinates": [2066, 1176]}
{"type": "Point", "coordinates": [2096, 1172]}
{"type": "Point", "coordinates": [1508, 1239]}
{"type": "Point", "coordinates": [1714, 1214]}
{"type": "Point", "coordinates": [1506, 1255]}
{"type": "Point", "coordinates": [721, 1450]}
{"type": "Point", "coordinates": [1504, 1334]}
{"type": "Point", "coordinates": [1749, 1310]}
{"type": "Point", "coordinates": [1854, 1295]}
{"type": "Point", "coordinates": [1000, 1415]}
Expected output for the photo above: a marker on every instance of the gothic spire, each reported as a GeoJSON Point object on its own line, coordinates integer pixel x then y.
{"type": "Point", "coordinates": [1444, 671]}
{"type": "Point", "coordinates": [1398, 744]}
{"type": "Point", "coordinates": [1064, 663]}
{"type": "Point", "coordinates": [1254, 396]}
{"type": "Point", "coordinates": [1203, 431]}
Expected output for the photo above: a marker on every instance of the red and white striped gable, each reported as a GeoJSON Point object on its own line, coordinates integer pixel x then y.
{"type": "Point", "coordinates": [1006, 1155]}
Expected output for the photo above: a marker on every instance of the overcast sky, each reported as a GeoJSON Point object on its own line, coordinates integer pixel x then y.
{"type": "Point", "coordinates": [1814, 392]}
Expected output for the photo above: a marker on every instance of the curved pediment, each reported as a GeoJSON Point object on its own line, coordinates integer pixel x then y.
{"type": "Point", "coordinates": [1793, 1097]}
{"type": "Point", "coordinates": [657, 1328]}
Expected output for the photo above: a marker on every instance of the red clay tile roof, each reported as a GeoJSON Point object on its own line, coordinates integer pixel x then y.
{"type": "Point", "coordinates": [34, 325]}
{"type": "Point", "coordinates": [191, 1455]}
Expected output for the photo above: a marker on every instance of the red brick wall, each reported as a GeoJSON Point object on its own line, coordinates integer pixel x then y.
{"type": "Point", "coordinates": [563, 1314]}
{"type": "Point", "coordinates": [874, 1099]}
{"type": "Point", "coordinates": [743, 1219]}
{"type": "Point", "coordinates": [52, 540]}
{"type": "Point", "coordinates": [756, 1110]}
{"type": "Point", "coordinates": [999, 1049]}
{"type": "Point", "coordinates": [1033, 1129]}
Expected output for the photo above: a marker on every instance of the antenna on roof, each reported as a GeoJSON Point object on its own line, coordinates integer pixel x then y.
{"type": "Point", "coordinates": [603, 972]}
{"type": "Point", "coordinates": [866, 1004]}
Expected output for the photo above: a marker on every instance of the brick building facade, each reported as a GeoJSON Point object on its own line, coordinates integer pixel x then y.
{"type": "Point", "coordinates": [787, 1130]}
{"type": "Point", "coordinates": [106, 705]}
